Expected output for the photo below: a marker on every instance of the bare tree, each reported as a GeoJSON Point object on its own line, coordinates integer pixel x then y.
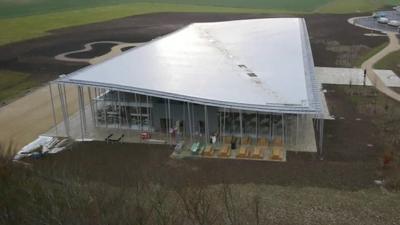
{"type": "Point", "coordinates": [142, 212]}
{"type": "Point", "coordinates": [166, 208]}
{"type": "Point", "coordinates": [230, 204]}
{"type": "Point", "coordinates": [255, 208]}
{"type": "Point", "coordinates": [197, 204]}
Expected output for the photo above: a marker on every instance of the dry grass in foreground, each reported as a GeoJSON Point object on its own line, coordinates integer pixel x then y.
{"type": "Point", "coordinates": [34, 196]}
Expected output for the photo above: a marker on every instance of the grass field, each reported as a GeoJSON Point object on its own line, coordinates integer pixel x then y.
{"type": "Point", "coordinates": [349, 6]}
{"type": "Point", "coordinates": [23, 28]}
{"type": "Point", "coordinates": [369, 54]}
{"type": "Point", "coordinates": [12, 84]}
{"type": "Point", "coordinates": [390, 62]}
{"type": "Point", "coordinates": [22, 20]}
{"type": "Point", "coordinates": [28, 7]}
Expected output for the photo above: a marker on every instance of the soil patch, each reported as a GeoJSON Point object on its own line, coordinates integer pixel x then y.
{"type": "Point", "coordinates": [125, 164]}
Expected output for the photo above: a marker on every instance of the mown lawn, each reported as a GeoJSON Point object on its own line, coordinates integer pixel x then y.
{"type": "Point", "coordinates": [390, 62]}
{"type": "Point", "coordinates": [369, 54]}
{"type": "Point", "coordinates": [22, 8]}
{"type": "Point", "coordinates": [351, 6]}
{"type": "Point", "coordinates": [23, 28]}
{"type": "Point", "coordinates": [12, 84]}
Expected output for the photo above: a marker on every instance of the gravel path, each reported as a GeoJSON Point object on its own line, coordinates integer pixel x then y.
{"type": "Point", "coordinates": [26, 118]}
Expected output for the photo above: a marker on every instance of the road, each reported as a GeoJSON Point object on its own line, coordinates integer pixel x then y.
{"type": "Point", "coordinates": [393, 46]}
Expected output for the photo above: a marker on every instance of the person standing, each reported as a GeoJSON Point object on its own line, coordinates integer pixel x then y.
{"type": "Point", "coordinates": [365, 77]}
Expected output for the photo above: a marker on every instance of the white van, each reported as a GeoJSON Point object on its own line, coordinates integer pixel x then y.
{"type": "Point", "coordinates": [383, 20]}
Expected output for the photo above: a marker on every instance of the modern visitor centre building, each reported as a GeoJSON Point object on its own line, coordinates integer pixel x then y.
{"type": "Point", "coordinates": [235, 89]}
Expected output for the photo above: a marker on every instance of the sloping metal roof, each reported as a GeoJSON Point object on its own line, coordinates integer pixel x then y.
{"type": "Point", "coordinates": [257, 64]}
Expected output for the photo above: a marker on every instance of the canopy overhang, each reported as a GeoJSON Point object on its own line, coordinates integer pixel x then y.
{"type": "Point", "coordinates": [260, 65]}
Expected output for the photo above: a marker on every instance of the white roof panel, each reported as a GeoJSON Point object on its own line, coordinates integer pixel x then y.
{"type": "Point", "coordinates": [259, 63]}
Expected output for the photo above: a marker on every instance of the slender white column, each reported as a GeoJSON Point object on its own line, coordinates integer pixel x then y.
{"type": "Point", "coordinates": [321, 136]}
{"type": "Point", "coordinates": [80, 112]}
{"type": "Point", "coordinates": [193, 120]}
{"type": "Point", "coordinates": [283, 129]}
{"type": "Point", "coordinates": [220, 126]}
{"type": "Point", "coordinates": [223, 128]}
{"type": "Point", "coordinates": [151, 113]}
{"type": "Point", "coordinates": [241, 124]}
{"type": "Point", "coordinates": [91, 104]}
{"type": "Point", "coordinates": [297, 128]}
{"type": "Point", "coordinates": [140, 113]}
{"type": "Point", "coordinates": [119, 110]}
{"type": "Point", "coordinates": [184, 119]}
{"type": "Point", "coordinates": [64, 110]}
{"type": "Point", "coordinates": [205, 124]}
{"type": "Point", "coordinates": [166, 119]}
{"type": "Point", "coordinates": [169, 120]}
{"type": "Point", "coordinates": [65, 100]}
{"type": "Point", "coordinates": [190, 123]}
{"type": "Point", "coordinates": [104, 109]}
{"type": "Point", "coordinates": [271, 126]}
{"type": "Point", "coordinates": [83, 109]}
{"type": "Point", "coordinates": [256, 126]}
{"type": "Point", "coordinates": [148, 112]}
{"type": "Point", "coordinates": [138, 119]}
{"type": "Point", "coordinates": [95, 107]}
{"type": "Point", "coordinates": [53, 110]}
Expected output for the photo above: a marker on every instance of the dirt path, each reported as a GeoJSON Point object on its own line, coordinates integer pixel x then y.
{"type": "Point", "coordinates": [26, 118]}
{"type": "Point", "coordinates": [393, 46]}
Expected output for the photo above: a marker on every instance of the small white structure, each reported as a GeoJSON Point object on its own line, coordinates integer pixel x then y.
{"type": "Point", "coordinates": [383, 20]}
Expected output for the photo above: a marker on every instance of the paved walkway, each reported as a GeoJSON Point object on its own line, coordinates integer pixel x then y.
{"type": "Point", "coordinates": [23, 120]}
{"type": "Point", "coordinates": [354, 76]}
{"type": "Point", "coordinates": [393, 46]}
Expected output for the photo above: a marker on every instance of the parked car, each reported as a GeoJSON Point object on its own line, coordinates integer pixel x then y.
{"type": "Point", "coordinates": [394, 23]}
{"type": "Point", "coordinates": [383, 20]}
{"type": "Point", "coordinates": [377, 15]}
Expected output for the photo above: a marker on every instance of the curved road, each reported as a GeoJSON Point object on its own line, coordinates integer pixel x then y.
{"type": "Point", "coordinates": [393, 46]}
